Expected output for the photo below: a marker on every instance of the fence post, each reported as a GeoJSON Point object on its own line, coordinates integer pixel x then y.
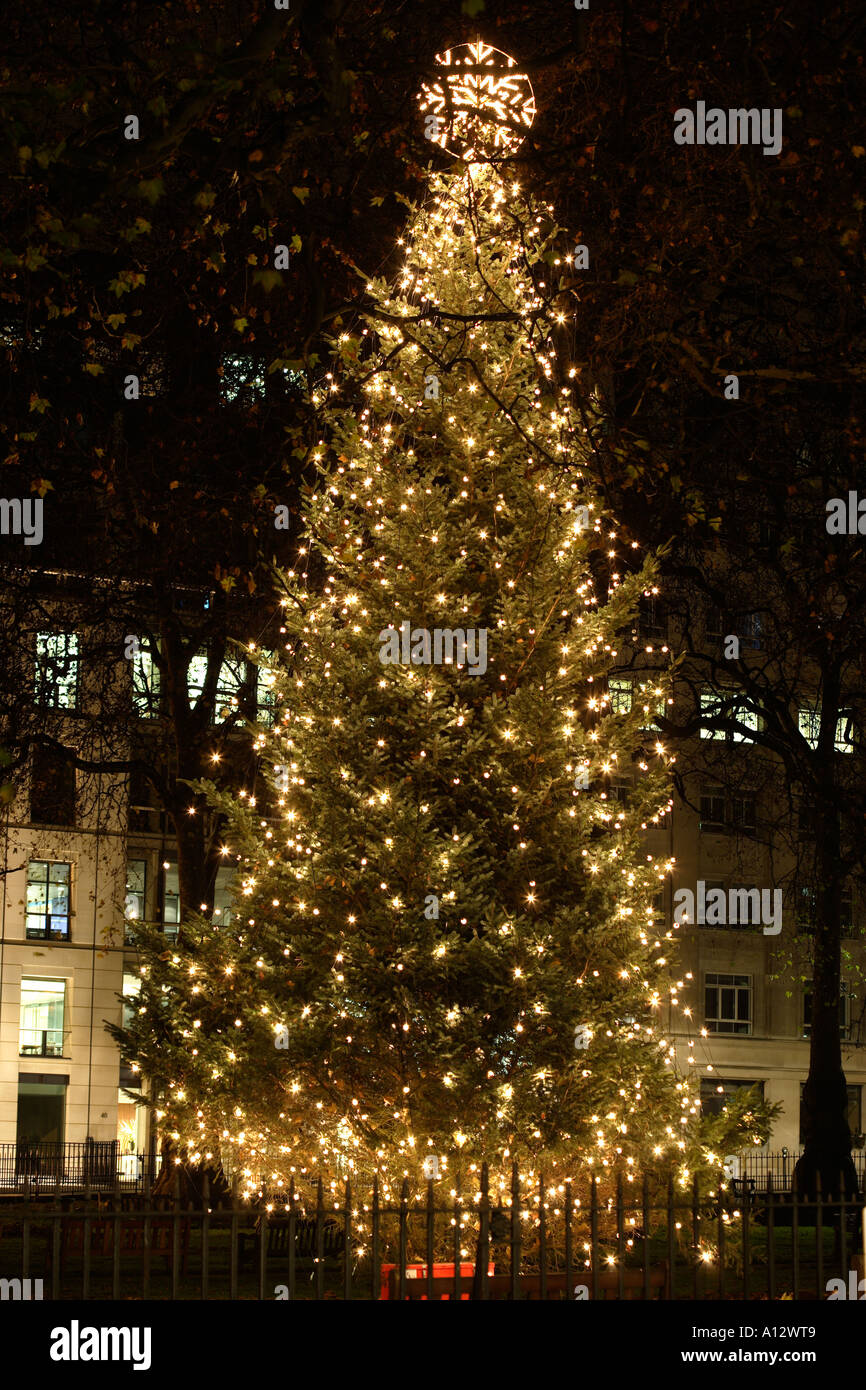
{"type": "Point", "coordinates": [747, 1237]}
{"type": "Point", "coordinates": [293, 1221]}
{"type": "Point", "coordinates": [374, 1222]}
{"type": "Point", "coordinates": [146, 1236]}
{"type": "Point", "coordinates": [721, 1201]}
{"type": "Point", "coordinates": [264, 1225]}
{"type": "Point", "coordinates": [320, 1241]}
{"type": "Point", "coordinates": [25, 1238]}
{"type": "Point", "coordinates": [431, 1217]}
{"type": "Point", "coordinates": [843, 1225]}
{"type": "Point", "coordinates": [482, 1252]}
{"type": "Point", "coordinates": [404, 1224]}
{"type": "Point", "coordinates": [233, 1240]}
{"type": "Point", "coordinates": [347, 1244]}
{"type": "Point", "coordinates": [771, 1238]}
{"type": "Point", "coordinates": [568, 1235]}
{"type": "Point", "coordinates": [515, 1231]}
{"type": "Point", "coordinates": [795, 1239]}
{"type": "Point", "coordinates": [819, 1235]}
{"type": "Point", "coordinates": [117, 1216]}
{"type": "Point", "coordinates": [542, 1239]}
{"type": "Point", "coordinates": [696, 1235]}
{"type": "Point", "coordinates": [456, 1246]}
{"type": "Point", "coordinates": [672, 1235]}
{"type": "Point", "coordinates": [620, 1240]}
{"type": "Point", "coordinates": [593, 1233]}
{"type": "Point", "coordinates": [205, 1234]}
{"type": "Point", "coordinates": [175, 1235]}
{"type": "Point", "coordinates": [645, 1221]}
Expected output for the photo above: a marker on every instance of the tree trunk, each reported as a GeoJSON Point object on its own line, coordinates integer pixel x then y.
{"type": "Point", "coordinates": [826, 1134]}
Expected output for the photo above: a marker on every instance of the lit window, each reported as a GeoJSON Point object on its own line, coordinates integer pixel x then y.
{"type": "Point", "coordinates": [40, 1031]}
{"type": "Point", "coordinates": [620, 692]}
{"type": "Point", "coordinates": [170, 899]}
{"type": "Point", "coordinates": [136, 885]}
{"type": "Point", "coordinates": [145, 684]}
{"type": "Point", "coordinates": [265, 694]}
{"type": "Point", "coordinates": [716, 705]}
{"type": "Point", "coordinates": [48, 900]}
{"type": "Point", "coordinates": [229, 684]}
{"type": "Point", "coordinates": [809, 722]}
{"type": "Point", "coordinates": [131, 991]}
{"type": "Point", "coordinates": [56, 685]}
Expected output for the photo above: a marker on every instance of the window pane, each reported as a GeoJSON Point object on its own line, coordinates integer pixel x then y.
{"type": "Point", "coordinates": [41, 1022]}
{"type": "Point", "coordinates": [56, 684]}
{"type": "Point", "coordinates": [136, 883]}
{"type": "Point", "coordinates": [265, 695]}
{"type": "Point", "coordinates": [145, 684]}
{"type": "Point", "coordinates": [229, 683]}
{"type": "Point", "coordinates": [711, 708]}
{"type": "Point", "coordinates": [620, 692]}
{"type": "Point", "coordinates": [52, 788]}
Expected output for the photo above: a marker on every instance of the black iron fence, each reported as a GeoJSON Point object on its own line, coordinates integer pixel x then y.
{"type": "Point", "coordinates": [92, 1165]}
{"type": "Point", "coordinates": [756, 1166]}
{"type": "Point", "coordinates": [620, 1239]}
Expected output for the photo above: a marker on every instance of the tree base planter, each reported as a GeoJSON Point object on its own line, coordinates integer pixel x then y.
{"type": "Point", "coordinates": [416, 1281]}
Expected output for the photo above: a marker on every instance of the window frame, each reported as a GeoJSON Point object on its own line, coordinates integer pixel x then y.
{"type": "Point", "coordinates": [47, 933]}
{"type": "Point", "coordinates": [740, 984]}
{"type": "Point", "coordinates": [35, 1050]}
{"type": "Point", "coordinates": [45, 670]}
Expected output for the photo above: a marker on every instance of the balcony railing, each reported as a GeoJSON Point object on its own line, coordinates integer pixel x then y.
{"type": "Point", "coordinates": [40, 1042]}
{"type": "Point", "coordinates": [94, 1165]}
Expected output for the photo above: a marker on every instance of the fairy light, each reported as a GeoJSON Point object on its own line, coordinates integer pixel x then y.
{"type": "Point", "coordinates": [388, 529]}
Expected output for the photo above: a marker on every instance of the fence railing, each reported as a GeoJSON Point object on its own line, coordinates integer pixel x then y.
{"type": "Point", "coordinates": [757, 1166]}
{"type": "Point", "coordinates": [640, 1239]}
{"type": "Point", "coordinates": [94, 1165]}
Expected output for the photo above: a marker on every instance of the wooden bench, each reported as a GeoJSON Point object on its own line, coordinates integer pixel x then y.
{"type": "Point", "coordinates": [499, 1285]}
{"type": "Point", "coordinates": [333, 1239]}
{"type": "Point", "coordinates": [131, 1238]}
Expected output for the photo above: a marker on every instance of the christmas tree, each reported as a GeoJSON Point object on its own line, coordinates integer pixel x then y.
{"type": "Point", "coordinates": [446, 947]}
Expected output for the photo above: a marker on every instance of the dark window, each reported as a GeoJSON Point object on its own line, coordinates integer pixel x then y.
{"type": "Point", "coordinates": [743, 811]}
{"type": "Point", "coordinates": [716, 1091]}
{"type": "Point", "coordinates": [715, 624]}
{"type": "Point", "coordinates": [728, 1003]}
{"type": "Point", "coordinates": [806, 899]}
{"type": "Point", "coordinates": [41, 1111]}
{"type": "Point", "coordinates": [751, 628]}
{"type": "Point", "coordinates": [855, 1110]}
{"type": "Point", "coordinates": [844, 1010]}
{"type": "Point", "coordinates": [712, 809]}
{"type": "Point", "coordinates": [652, 619]}
{"type": "Point", "coordinates": [52, 788]}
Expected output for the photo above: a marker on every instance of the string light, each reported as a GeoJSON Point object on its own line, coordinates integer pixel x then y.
{"type": "Point", "coordinates": [410, 505]}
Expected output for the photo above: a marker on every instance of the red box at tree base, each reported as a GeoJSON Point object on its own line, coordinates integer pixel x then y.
{"type": "Point", "coordinates": [440, 1271]}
